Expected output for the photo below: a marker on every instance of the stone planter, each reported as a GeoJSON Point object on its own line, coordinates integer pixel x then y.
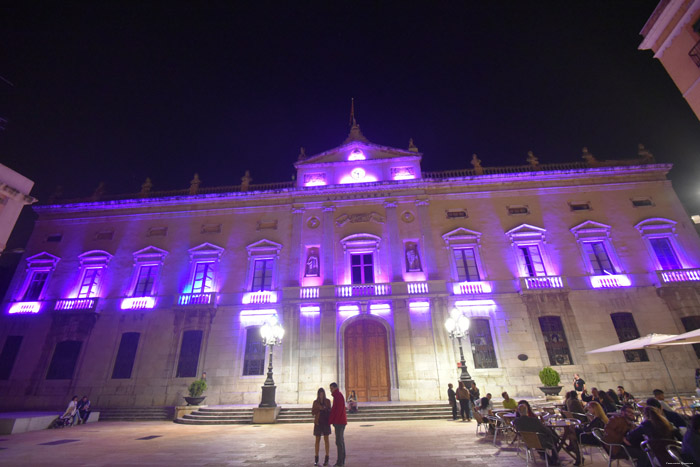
{"type": "Point", "coordinates": [195, 400]}
{"type": "Point", "coordinates": [551, 390]}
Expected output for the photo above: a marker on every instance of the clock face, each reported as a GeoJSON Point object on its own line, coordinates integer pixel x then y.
{"type": "Point", "coordinates": [358, 173]}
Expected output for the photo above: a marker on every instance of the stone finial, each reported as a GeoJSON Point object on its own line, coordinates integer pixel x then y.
{"type": "Point", "coordinates": [99, 191]}
{"type": "Point", "coordinates": [194, 184]}
{"type": "Point", "coordinates": [532, 159]}
{"type": "Point", "coordinates": [644, 154]}
{"type": "Point", "coordinates": [476, 162]}
{"type": "Point", "coordinates": [588, 157]}
{"type": "Point", "coordinates": [412, 147]}
{"type": "Point", "coordinates": [245, 181]}
{"type": "Point", "coordinates": [302, 154]}
{"type": "Point", "coordinates": [146, 187]}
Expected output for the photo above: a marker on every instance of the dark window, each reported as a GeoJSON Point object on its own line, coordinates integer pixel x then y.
{"type": "Point", "coordinates": [65, 357]}
{"type": "Point", "coordinates": [203, 278]}
{"type": "Point", "coordinates": [532, 259]}
{"type": "Point", "coordinates": [9, 355]}
{"type": "Point", "coordinates": [518, 210]}
{"type": "Point", "coordinates": [254, 360]}
{"type": "Point", "coordinates": [105, 235]}
{"type": "Point", "coordinates": [555, 341]}
{"type": "Point", "coordinates": [36, 285]}
{"type": "Point", "coordinates": [456, 214]}
{"type": "Point", "coordinates": [482, 344]}
{"type": "Point", "coordinates": [691, 323]}
{"type": "Point", "coordinates": [626, 331]}
{"type": "Point", "coordinates": [189, 354]}
{"type": "Point", "coordinates": [638, 203]}
{"type": "Point", "coordinates": [362, 268]}
{"type": "Point", "coordinates": [598, 256]}
{"type": "Point", "coordinates": [580, 207]}
{"type": "Point", "coordinates": [262, 275]}
{"type": "Point", "coordinates": [145, 280]}
{"type": "Point", "coordinates": [465, 260]}
{"type": "Point", "coordinates": [54, 238]}
{"type": "Point", "coordinates": [126, 355]}
{"type": "Point", "coordinates": [665, 254]}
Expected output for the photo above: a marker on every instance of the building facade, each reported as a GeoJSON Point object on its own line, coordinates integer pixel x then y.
{"type": "Point", "coordinates": [673, 34]}
{"type": "Point", "coordinates": [14, 195]}
{"type": "Point", "coordinates": [361, 259]}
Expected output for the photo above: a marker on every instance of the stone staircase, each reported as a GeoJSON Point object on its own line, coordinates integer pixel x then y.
{"type": "Point", "coordinates": [121, 414]}
{"type": "Point", "coordinates": [217, 416]}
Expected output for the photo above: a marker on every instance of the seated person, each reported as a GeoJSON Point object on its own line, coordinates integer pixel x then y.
{"type": "Point", "coordinates": [624, 396]}
{"type": "Point", "coordinates": [606, 402]}
{"type": "Point", "coordinates": [83, 409]}
{"type": "Point", "coordinates": [599, 420]}
{"type": "Point", "coordinates": [508, 403]}
{"type": "Point", "coordinates": [573, 404]}
{"type": "Point", "coordinates": [72, 410]}
{"type": "Point", "coordinates": [675, 418]}
{"type": "Point", "coordinates": [549, 439]}
{"type": "Point", "coordinates": [655, 426]}
{"type": "Point", "coordinates": [613, 397]}
{"type": "Point", "coordinates": [530, 413]}
{"type": "Point", "coordinates": [352, 402]}
{"type": "Point", "coordinates": [691, 441]}
{"type": "Point", "coordinates": [618, 426]}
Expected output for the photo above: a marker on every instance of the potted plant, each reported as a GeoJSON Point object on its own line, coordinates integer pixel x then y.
{"type": "Point", "coordinates": [196, 389]}
{"type": "Point", "coordinates": [550, 379]}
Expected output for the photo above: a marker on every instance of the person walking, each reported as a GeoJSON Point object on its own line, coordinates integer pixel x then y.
{"type": "Point", "coordinates": [339, 419]}
{"type": "Point", "coordinates": [452, 398]}
{"type": "Point", "coordinates": [463, 396]}
{"type": "Point", "coordinates": [321, 410]}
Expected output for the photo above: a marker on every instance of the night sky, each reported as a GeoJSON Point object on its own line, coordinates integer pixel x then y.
{"type": "Point", "coordinates": [118, 92]}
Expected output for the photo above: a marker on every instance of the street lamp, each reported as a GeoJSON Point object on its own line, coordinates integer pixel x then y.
{"type": "Point", "coordinates": [271, 333]}
{"type": "Point", "coordinates": [457, 326]}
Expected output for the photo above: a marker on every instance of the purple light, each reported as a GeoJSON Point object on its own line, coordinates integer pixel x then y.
{"type": "Point", "coordinates": [315, 179]}
{"type": "Point", "coordinates": [262, 296]}
{"type": "Point", "coordinates": [25, 307]}
{"type": "Point", "coordinates": [75, 304]}
{"type": "Point", "coordinates": [417, 287]}
{"type": "Point", "coordinates": [403, 173]}
{"type": "Point", "coordinates": [138, 303]}
{"type": "Point", "coordinates": [362, 290]}
{"type": "Point", "coordinates": [610, 281]}
{"type": "Point", "coordinates": [195, 299]}
{"type": "Point", "coordinates": [257, 317]}
{"type": "Point", "coordinates": [380, 308]}
{"type": "Point", "coordinates": [469, 288]}
{"type": "Point", "coordinates": [348, 310]}
{"type": "Point", "coordinates": [308, 292]}
{"type": "Point", "coordinates": [356, 155]}
{"type": "Point", "coordinates": [420, 307]}
{"type": "Point", "coordinates": [310, 310]}
{"type": "Point", "coordinates": [681, 275]}
{"type": "Point", "coordinates": [358, 175]}
{"type": "Point", "coordinates": [543, 282]}
{"type": "Point", "coordinates": [473, 303]}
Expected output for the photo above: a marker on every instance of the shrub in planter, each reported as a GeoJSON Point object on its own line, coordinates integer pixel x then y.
{"type": "Point", "coordinates": [549, 376]}
{"type": "Point", "coordinates": [197, 388]}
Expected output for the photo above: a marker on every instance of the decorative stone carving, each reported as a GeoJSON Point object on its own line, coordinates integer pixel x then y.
{"type": "Point", "coordinates": [476, 162]}
{"type": "Point", "coordinates": [146, 187]}
{"type": "Point", "coordinates": [532, 159]}
{"type": "Point", "coordinates": [312, 263]}
{"type": "Point", "coordinates": [245, 181]}
{"type": "Point", "coordinates": [412, 258]}
{"type": "Point", "coordinates": [408, 217]}
{"type": "Point", "coordinates": [313, 222]}
{"type": "Point", "coordinates": [412, 147]}
{"type": "Point", "coordinates": [588, 157]}
{"type": "Point", "coordinates": [302, 154]}
{"type": "Point", "coordinates": [194, 184]}
{"type": "Point", "coordinates": [644, 155]}
{"type": "Point", "coordinates": [358, 218]}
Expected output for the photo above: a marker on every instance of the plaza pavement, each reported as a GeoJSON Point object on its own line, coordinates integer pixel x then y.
{"type": "Point", "coordinates": [433, 443]}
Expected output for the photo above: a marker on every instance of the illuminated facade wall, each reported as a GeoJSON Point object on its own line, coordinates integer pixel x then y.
{"type": "Point", "coordinates": [128, 300]}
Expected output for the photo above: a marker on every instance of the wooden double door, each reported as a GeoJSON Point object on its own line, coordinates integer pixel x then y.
{"type": "Point", "coordinates": [367, 361]}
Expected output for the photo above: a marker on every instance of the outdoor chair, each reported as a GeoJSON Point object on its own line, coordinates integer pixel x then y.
{"type": "Point", "coordinates": [657, 451]}
{"type": "Point", "coordinates": [480, 422]}
{"type": "Point", "coordinates": [607, 448]}
{"type": "Point", "coordinates": [674, 453]}
{"type": "Point", "coordinates": [500, 425]}
{"type": "Point", "coordinates": [533, 443]}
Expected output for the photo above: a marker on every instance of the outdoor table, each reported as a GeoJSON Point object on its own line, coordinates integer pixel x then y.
{"type": "Point", "coordinates": [568, 440]}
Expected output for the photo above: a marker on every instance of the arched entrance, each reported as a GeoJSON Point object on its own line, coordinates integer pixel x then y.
{"type": "Point", "coordinates": [367, 361]}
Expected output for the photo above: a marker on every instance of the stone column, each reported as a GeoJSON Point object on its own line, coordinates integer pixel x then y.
{"type": "Point", "coordinates": [296, 247]}
{"type": "Point", "coordinates": [396, 252]}
{"type": "Point", "coordinates": [428, 253]}
{"type": "Point", "coordinates": [327, 245]}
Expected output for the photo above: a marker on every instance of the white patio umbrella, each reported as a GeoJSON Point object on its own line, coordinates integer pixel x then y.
{"type": "Point", "coordinates": [691, 337]}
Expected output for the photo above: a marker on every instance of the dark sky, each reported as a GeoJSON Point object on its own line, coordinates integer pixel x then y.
{"type": "Point", "coordinates": [118, 92]}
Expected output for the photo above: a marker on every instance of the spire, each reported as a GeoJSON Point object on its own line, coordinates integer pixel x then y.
{"type": "Point", "coordinates": [352, 112]}
{"type": "Point", "coordinates": [355, 133]}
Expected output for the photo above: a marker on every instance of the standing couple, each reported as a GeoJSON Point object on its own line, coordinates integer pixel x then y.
{"type": "Point", "coordinates": [324, 417]}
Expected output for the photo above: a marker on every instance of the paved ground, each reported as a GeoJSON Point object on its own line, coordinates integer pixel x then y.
{"type": "Point", "coordinates": [426, 443]}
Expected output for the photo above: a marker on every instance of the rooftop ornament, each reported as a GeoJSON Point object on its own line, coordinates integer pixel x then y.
{"type": "Point", "coordinates": [476, 162]}
{"type": "Point", "coordinates": [533, 160]}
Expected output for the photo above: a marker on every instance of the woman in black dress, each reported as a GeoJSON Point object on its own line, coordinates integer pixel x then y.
{"type": "Point", "coordinates": [321, 410]}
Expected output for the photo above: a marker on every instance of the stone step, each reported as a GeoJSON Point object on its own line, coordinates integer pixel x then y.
{"type": "Point", "coordinates": [187, 421]}
{"type": "Point", "coordinates": [136, 414]}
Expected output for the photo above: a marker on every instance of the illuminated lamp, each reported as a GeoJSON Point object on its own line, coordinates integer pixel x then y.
{"type": "Point", "coordinates": [138, 303]}
{"type": "Point", "coordinates": [25, 307]}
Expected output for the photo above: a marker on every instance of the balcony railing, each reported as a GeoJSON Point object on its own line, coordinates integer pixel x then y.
{"type": "Point", "coordinates": [471, 288]}
{"type": "Point", "coordinates": [309, 292]}
{"type": "Point", "coordinates": [24, 307]}
{"type": "Point", "coordinates": [75, 304]}
{"type": "Point", "coordinates": [541, 283]}
{"type": "Point", "coordinates": [362, 290]}
{"type": "Point", "coordinates": [262, 296]}
{"type": "Point", "coordinates": [138, 303]}
{"type": "Point", "coordinates": [610, 281]}
{"type": "Point", "coordinates": [196, 299]}
{"type": "Point", "coordinates": [417, 287]}
{"type": "Point", "coordinates": [695, 54]}
{"type": "Point", "coordinates": [679, 275]}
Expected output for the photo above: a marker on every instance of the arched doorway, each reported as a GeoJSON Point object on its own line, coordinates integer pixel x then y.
{"type": "Point", "coordinates": [367, 361]}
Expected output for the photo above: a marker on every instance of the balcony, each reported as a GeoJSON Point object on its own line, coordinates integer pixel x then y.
{"type": "Point", "coordinates": [309, 292]}
{"type": "Point", "coordinates": [362, 290]}
{"type": "Point", "coordinates": [541, 283]}
{"type": "Point", "coordinates": [471, 288]}
{"type": "Point", "coordinates": [75, 304]}
{"type": "Point", "coordinates": [676, 276]}
{"type": "Point", "coordinates": [138, 303]}
{"type": "Point", "coordinates": [417, 287]}
{"type": "Point", "coordinates": [610, 281]}
{"type": "Point", "coordinates": [187, 299]}
{"type": "Point", "coordinates": [262, 296]}
{"type": "Point", "coordinates": [24, 308]}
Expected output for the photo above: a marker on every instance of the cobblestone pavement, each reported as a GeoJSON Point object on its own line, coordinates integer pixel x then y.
{"type": "Point", "coordinates": [432, 443]}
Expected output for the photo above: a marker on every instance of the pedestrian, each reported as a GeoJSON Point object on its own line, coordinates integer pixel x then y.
{"type": "Point", "coordinates": [83, 410]}
{"type": "Point", "coordinates": [579, 383]}
{"type": "Point", "coordinates": [72, 411]}
{"type": "Point", "coordinates": [452, 399]}
{"type": "Point", "coordinates": [339, 419]}
{"type": "Point", "coordinates": [474, 396]}
{"type": "Point", "coordinates": [321, 410]}
{"type": "Point", "coordinates": [463, 396]}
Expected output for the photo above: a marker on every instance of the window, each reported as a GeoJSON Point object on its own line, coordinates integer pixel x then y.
{"type": "Point", "coordinates": [691, 323]}
{"type": "Point", "coordinates": [467, 269]}
{"type": "Point", "coordinates": [92, 265]}
{"type": "Point", "coordinates": [664, 253]}
{"type": "Point", "coordinates": [205, 260]}
{"type": "Point", "coordinates": [626, 331]}
{"type": "Point", "coordinates": [147, 263]}
{"type": "Point", "coordinates": [262, 275]}
{"type": "Point", "coordinates": [362, 266]}
{"type": "Point", "coordinates": [189, 354]}
{"type": "Point", "coordinates": [482, 344]}
{"type": "Point", "coordinates": [641, 202]}
{"type": "Point", "coordinates": [456, 213]}
{"type": "Point", "coordinates": [555, 340]}
{"type": "Point", "coordinates": [580, 206]}
{"type": "Point", "coordinates": [518, 210]}
{"type": "Point", "coordinates": [64, 359]}
{"type": "Point", "coordinates": [157, 232]}
{"type": "Point", "coordinates": [203, 278]}
{"type": "Point", "coordinates": [37, 282]}
{"type": "Point", "coordinates": [599, 259]}
{"type": "Point", "coordinates": [532, 259]}
{"type": "Point", "coordinates": [88, 286]}
{"type": "Point", "coordinates": [39, 268]}
{"type": "Point", "coordinates": [55, 238]}
{"type": "Point", "coordinates": [126, 355]}
{"type": "Point", "coordinates": [254, 360]}
{"type": "Point", "coordinates": [104, 235]}
{"type": "Point", "coordinates": [145, 280]}
{"type": "Point", "coordinates": [9, 355]}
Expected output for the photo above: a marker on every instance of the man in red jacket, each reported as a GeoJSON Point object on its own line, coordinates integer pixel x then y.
{"type": "Point", "coordinates": [339, 419]}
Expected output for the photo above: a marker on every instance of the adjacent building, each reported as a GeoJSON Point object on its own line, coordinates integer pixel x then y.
{"type": "Point", "coordinates": [14, 195]}
{"type": "Point", "coordinates": [362, 259]}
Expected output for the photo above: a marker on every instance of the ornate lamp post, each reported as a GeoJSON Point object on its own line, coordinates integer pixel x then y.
{"type": "Point", "coordinates": [272, 333]}
{"type": "Point", "coordinates": [457, 326]}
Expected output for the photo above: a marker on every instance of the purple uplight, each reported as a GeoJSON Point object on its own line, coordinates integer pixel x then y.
{"type": "Point", "coordinates": [348, 310]}
{"type": "Point", "coordinates": [543, 282]}
{"type": "Point", "coordinates": [138, 303]}
{"type": "Point", "coordinates": [25, 307]}
{"type": "Point", "coordinates": [310, 310]}
{"type": "Point", "coordinates": [420, 307]}
{"type": "Point", "coordinates": [468, 288]}
{"type": "Point", "coordinates": [262, 296]}
{"type": "Point", "coordinates": [357, 155]}
{"type": "Point", "coordinates": [379, 308]}
{"type": "Point", "coordinates": [257, 317]}
{"type": "Point", "coordinates": [474, 303]}
{"type": "Point", "coordinates": [417, 287]}
{"type": "Point", "coordinates": [195, 298]}
{"type": "Point", "coordinates": [362, 290]}
{"type": "Point", "coordinates": [680, 275]}
{"type": "Point", "coordinates": [610, 281]}
{"type": "Point", "coordinates": [75, 304]}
